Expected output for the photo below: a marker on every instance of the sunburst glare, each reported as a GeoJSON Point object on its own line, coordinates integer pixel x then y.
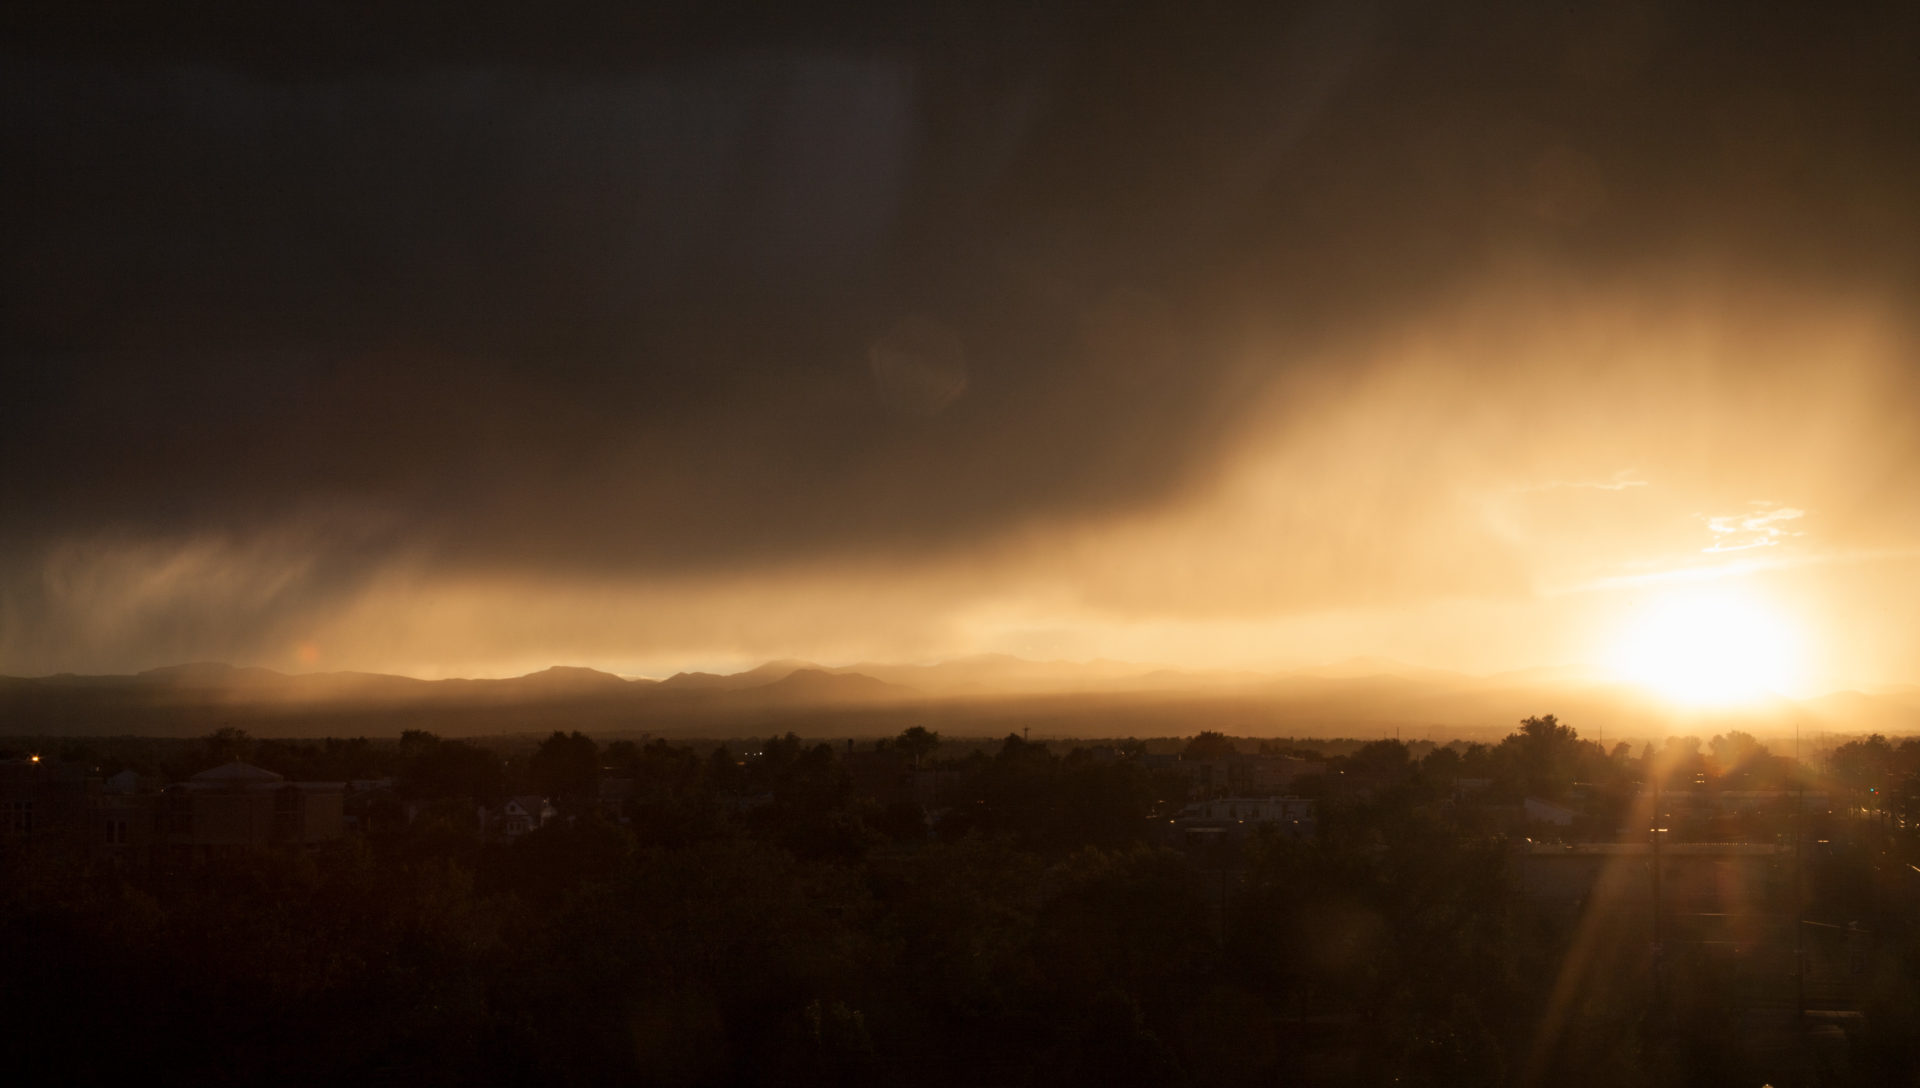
{"type": "Point", "coordinates": [1711, 646]}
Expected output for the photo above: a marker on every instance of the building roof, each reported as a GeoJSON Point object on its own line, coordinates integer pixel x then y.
{"type": "Point", "coordinates": [236, 774]}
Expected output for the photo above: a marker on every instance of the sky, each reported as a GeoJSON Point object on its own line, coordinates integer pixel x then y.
{"type": "Point", "coordinates": [1474, 336]}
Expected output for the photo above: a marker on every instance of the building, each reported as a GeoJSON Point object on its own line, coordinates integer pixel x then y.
{"type": "Point", "coordinates": [523, 814]}
{"type": "Point", "coordinates": [122, 827]}
{"type": "Point", "coordinates": [45, 802]}
{"type": "Point", "coordinates": [1236, 816]}
{"type": "Point", "coordinates": [239, 805]}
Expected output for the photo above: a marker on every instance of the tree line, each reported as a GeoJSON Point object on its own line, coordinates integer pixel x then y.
{"type": "Point", "coordinates": [750, 916]}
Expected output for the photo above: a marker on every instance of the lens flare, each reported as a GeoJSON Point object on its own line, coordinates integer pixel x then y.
{"type": "Point", "coordinates": [1709, 647]}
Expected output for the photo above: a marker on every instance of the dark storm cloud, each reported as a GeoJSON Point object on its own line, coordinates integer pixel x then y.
{"type": "Point", "coordinates": [610, 297]}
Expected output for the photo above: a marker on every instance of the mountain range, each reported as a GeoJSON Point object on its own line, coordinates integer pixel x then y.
{"type": "Point", "coordinates": [980, 695]}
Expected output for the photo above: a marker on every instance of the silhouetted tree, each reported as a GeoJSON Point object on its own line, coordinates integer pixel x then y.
{"type": "Point", "coordinates": [566, 767]}
{"type": "Point", "coordinates": [622, 758]}
{"type": "Point", "coordinates": [1548, 756]}
{"type": "Point", "coordinates": [917, 741]}
{"type": "Point", "coordinates": [1208, 744]}
{"type": "Point", "coordinates": [673, 800]}
{"type": "Point", "coordinates": [1680, 763]}
{"type": "Point", "coordinates": [450, 770]}
{"type": "Point", "coordinates": [226, 744]}
{"type": "Point", "coordinates": [1442, 765]}
{"type": "Point", "coordinates": [1862, 766]}
{"type": "Point", "coordinates": [724, 773]}
{"type": "Point", "coordinates": [1386, 759]}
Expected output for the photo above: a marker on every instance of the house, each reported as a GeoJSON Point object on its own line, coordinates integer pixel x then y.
{"type": "Point", "coordinates": [523, 814]}
{"type": "Point", "coordinates": [238, 804]}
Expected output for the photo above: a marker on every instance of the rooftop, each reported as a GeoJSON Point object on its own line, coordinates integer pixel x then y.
{"type": "Point", "coordinates": [236, 774]}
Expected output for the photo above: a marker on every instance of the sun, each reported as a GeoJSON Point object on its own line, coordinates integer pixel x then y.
{"type": "Point", "coordinates": [1709, 646]}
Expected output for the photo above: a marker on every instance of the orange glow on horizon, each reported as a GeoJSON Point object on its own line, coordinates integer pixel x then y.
{"type": "Point", "coordinates": [1713, 646]}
